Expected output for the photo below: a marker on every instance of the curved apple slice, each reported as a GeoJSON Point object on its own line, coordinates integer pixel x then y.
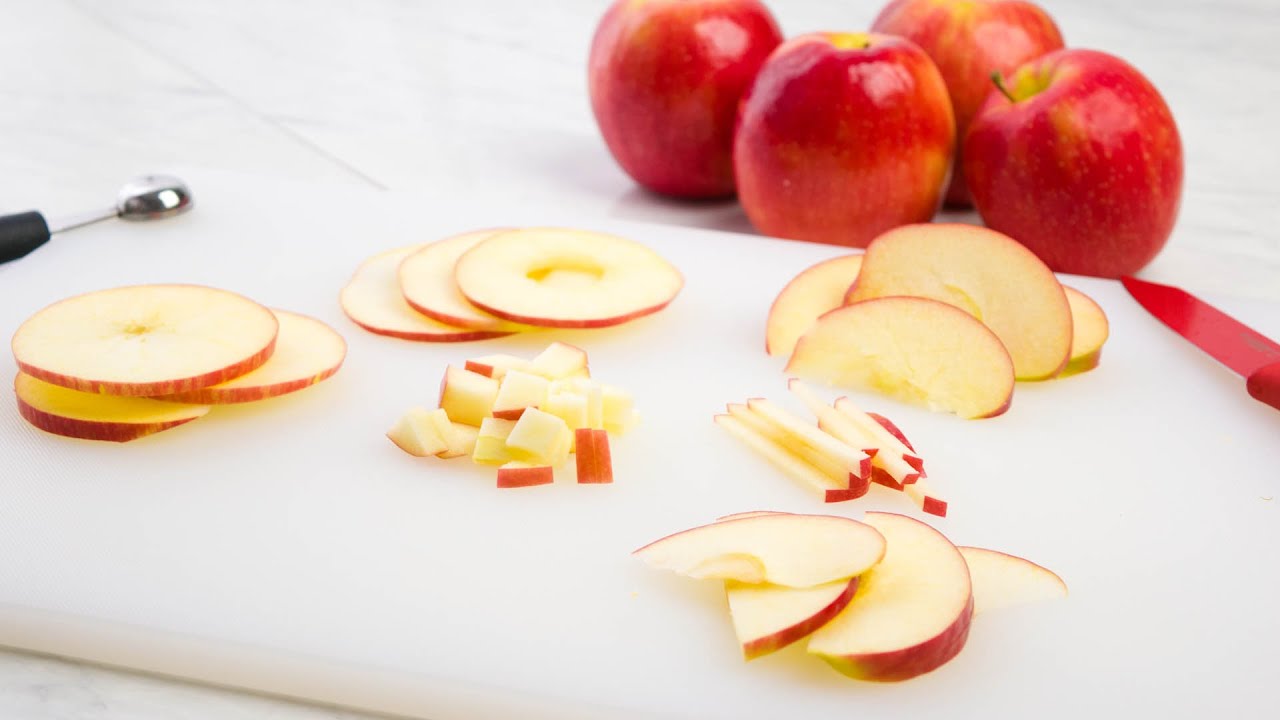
{"type": "Point", "coordinates": [1090, 330]}
{"type": "Point", "coordinates": [307, 352]}
{"type": "Point", "coordinates": [145, 339]}
{"type": "Point", "coordinates": [1002, 580]}
{"type": "Point", "coordinates": [808, 296]}
{"type": "Point", "coordinates": [426, 281]}
{"type": "Point", "coordinates": [985, 273]}
{"type": "Point", "coordinates": [372, 300]}
{"type": "Point", "coordinates": [90, 416]}
{"type": "Point", "coordinates": [917, 350]}
{"type": "Point", "coordinates": [552, 277]}
{"type": "Point", "coordinates": [782, 549]}
{"type": "Point", "coordinates": [770, 617]}
{"type": "Point", "coordinates": [911, 613]}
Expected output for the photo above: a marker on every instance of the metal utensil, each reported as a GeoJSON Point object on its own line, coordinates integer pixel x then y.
{"type": "Point", "coordinates": [150, 197]}
{"type": "Point", "coordinates": [1228, 340]}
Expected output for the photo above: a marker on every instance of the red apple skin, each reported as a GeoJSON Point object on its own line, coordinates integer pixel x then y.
{"type": "Point", "coordinates": [665, 79]}
{"type": "Point", "coordinates": [842, 137]}
{"type": "Point", "coordinates": [900, 665]}
{"type": "Point", "coordinates": [93, 430]}
{"type": "Point", "coordinates": [771, 643]}
{"type": "Point", "coordinates": [1084, 167]}
{"type": "Point", "coordinates": [968, 40]}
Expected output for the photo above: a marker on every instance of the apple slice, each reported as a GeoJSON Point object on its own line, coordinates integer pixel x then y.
{"type": "Point", "coordinates": [770, 617]}
{"type": "Point", "coordinates": [90, 416]}
{"type": "Point", "coordinates": [426, 282]}
{"type": "Point", "coordinates": [1090, 330]}
{"type": "Point", "coordinates": [145, 340]}
{"type": "Point", "coordinates": [809, 295]}
{"type": "Point", "coordinates": [854, 460]}
{"type": "Point", "coordinates": [466, 396]}
{"type": "Point", "coordinates": [886, 457]}
{"type": "Point", "coordinates": [372, 300]}
{"type": "Point", "coordinates": [985, 273]}
{"type": "Point", "coordinates": [923, 495]}
{"type": "Point", "coordinates": [783, 549]}
{"type": "Point", "coordinates": [418, 434]}
{"type": "Point", "coordinates": [1001, 580]}
{"type": "Point", "coordinates": [307, 352]}
{"type": "Point", "coordinates": [518, 474]}
{"type": "Point", "coordinates": [915, 349]}
{"type": "Point", "coordinates": [833, 487]}
{"type": "Point", "coordinates": [554, 277]}
{"type": "Point", "coordinates": [593, 458]}
{"type": "Point", "coordinates": [911, 612]}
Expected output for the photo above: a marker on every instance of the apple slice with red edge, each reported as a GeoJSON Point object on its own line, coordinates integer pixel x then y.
{"type": "Point", "coordinates": [145, 340]}
{"type": "Point", "coordinates": [832, 487]}
{"type": "Point", "coordinates": [1002, 580]}
{"type": "Point", "coordinates": [811, 294]}
{"type": "Point", "coordinates": [783, 549]}
{"type": "Point", "coordinates": [517, 474]}
{"type": "Point", "coordinates": [372, 300]}
{"type": "Point", "coordinates": [770, 617]}
{"type": "Point", "coordinates": [556, 277]}
{"type": "Point", "coordinates": [887, 460]}
{"type": "Point", "coordinates": [911, 612]}
{"type": "Point", "coordinates": [926, 498]}
{"type": "Point", "coordinates": [91, 416]}
{"type": "Point", "coordinates": [593, 457]}
{"type": "Point", "coordinates": [1090, 330]}
{"type": "Point", "coordinates": [917, 350]}
{"type": "Point", "coordinates": [426, 282]}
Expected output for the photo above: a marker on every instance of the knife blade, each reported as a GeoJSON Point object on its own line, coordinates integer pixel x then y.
{"type": "Point", "coordinates": [1229, 341]}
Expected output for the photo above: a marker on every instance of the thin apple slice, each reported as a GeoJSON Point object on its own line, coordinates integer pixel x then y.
{"type": "Point", "coordinates": [518, 474]}
{"type": "Point", "coordinates": [985, 273]}
{"type": "Point", "coordinates": [911, 613]}
{"type": "Point", "coordinates": [426, 282]}
{"type": "Point", "coordinates": [1002, 580]}
{"type": "Point", "coordinates": [372, 300]}
{"type": "Point", "coordinates": [145, 340]}
{"type": "Point", "coordinates": [307, 352]}
{"type": "Point", "coordinates": [553, 277]}
{"type": "Point", "coordinates": [886, 456]}
{"type": "Point", "coordinates": [783, 549]}
{"type": "Point", "coordinates": [917, 350]}
{"type": "Point", "coordinates": [770, 617]}
{"type": "Point", "coordinates": [90, 416]}
{"type": "Point", "coordinates": [854, 460]}
{"type": "Point", "coordinates": [810, 295]}
{"type": "Point", "coordinates": [832, 488]}
{"type": "Point", "coordinates": [1090, 330]}
{"type": "Point", "coordinates": [926, 498]}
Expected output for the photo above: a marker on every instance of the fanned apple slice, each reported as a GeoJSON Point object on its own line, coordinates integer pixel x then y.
{"type": "Point", "coordinates": [785, 549]}
{"type": "Point", "coordinates": [90, 416]}
{"type": "Point", "coordinates": [426, 281]}
{"type": "Point", "coordinates": [307, 352]}
{"type": "Point", "coordinates": [985, 273]}
{"type": "Point", "coordinates": [912, 611]}
{"type": "Point", "coordinates": [1090, 330]}
{"type": "Point", "coordinates": [810, 295]}
{"type": "Point", "coordinates": [145, 340]}
{"type": "Point", "coordinates": [372, 300]}
{"type": "Point", "coordinates": [1002, 580]}
{"type": "Point", "coordinates": [552, 277]}
{"type": "Point", "coordinates": [770, 617]}
{"type": "Point", "coordinates": [917, 350]}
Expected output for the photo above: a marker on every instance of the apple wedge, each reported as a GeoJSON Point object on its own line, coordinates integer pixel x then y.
{"type": "Point", "coordinates": [770, 617]}
{"type": "Point", "coordinates": [988, 275]}
{"type": "Point", "coordinates": [145, 340]}
{"type": "Point", "coordinates": [372, 300]}
{"type": "Point", "coordinates": [552, 277]}
{"type": "Point", "coordinates": [783, 549]}
{"type": "Point", "coordinates": [911, 612]}
{"type": "Point", "coordinates": [1090, 330]}
{"type": "Point", "coordinates": [918, 350]}
{"type": "Point", "coordinates": [426, 282]}
{"type": "Point", "coordinates": [307, 352]}
{"type": "Point", "coordinates": [811, 294]}
{"type": "Point", "coordinates": [1001, 580]}
{"type": "Point", "coordinates": [90, 416]}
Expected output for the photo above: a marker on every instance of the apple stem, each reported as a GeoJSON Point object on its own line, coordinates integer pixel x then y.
{"type": "Point", "coordinates": [998, 79]}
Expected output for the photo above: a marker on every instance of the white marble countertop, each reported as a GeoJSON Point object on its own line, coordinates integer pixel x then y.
{"type": "Point", "coordinates": [489, 97]}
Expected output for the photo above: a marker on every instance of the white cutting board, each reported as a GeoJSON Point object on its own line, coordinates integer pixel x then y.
{"type": "Point", "coordinates": [289, 548]}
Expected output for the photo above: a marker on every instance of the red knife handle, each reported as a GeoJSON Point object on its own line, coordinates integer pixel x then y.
{"type": "Point", "coordinates": [1264, 384]}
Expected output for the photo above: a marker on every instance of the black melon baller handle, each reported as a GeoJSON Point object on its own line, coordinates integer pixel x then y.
{"type": "Point", "coordinates": [21, 233]}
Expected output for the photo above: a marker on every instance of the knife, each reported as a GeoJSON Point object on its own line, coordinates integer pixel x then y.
{"type": "Point", "coordinates": [1228, 340]}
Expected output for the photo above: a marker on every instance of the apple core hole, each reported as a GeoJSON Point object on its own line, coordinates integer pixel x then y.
{"type": "Point", "coordinates": [581, 270]}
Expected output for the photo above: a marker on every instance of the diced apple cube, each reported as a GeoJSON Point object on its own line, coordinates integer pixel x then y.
{"type": "Point", "coordinates": [519, 390]}
{"type": "Point", "coordinates": [595, 407]}
{"type": "Point", "coordinates": [569, 407]}
{"type": "Point", "coordinates": [496, 366]}
{"type": "Point", "coordinates": [467, 396]}
{"type": "Point", "coordinates": [560, 360]}
{"type": "Point", "coordinates": [416, 434]}
{"type": "Point", "coordinates": [538, 436]}
{"type": "Point", "coordinates": [518, 474]}
{"type": "Point", "coordinates": [594, 461]}
{"type": "Point", "coordinates": [617, 409]}
{"type": "Point", "coordinates": [462, 442]}
{"type": "Point", "coordinates": [491, 442]}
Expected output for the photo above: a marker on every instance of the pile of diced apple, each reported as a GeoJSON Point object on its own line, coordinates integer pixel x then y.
{"type": "Point", "coordinates": [491, 283]}
{"type": "Point", "coordinates": [886, 599]}
{"type": "Point", "coordinates": [840, 456]}
{"type": "Point", "coordinates": [946, 316]}
{"type": "Point", "coordinates": [126, 362]}
{"type": "Point", "coordinates": [526, 416]}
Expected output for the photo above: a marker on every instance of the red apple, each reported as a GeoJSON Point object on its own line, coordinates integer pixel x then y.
{"type": "Point", "coordinates": [843, 136]}
{"type": "Point", "coordinates": [665, 80]}
{"type": "Point", "coordinates": [1080, 161]}
{"type": "Point", "coordinates": [968, 40]}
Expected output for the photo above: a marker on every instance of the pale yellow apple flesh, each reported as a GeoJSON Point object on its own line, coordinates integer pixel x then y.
{"type": "Point", "coordinates": [808, 296]}
{"type": "Point", "coordinates": [91, 416]}
{"type": "Point", "coordinates": [416, 433]}
{"type": "Point", "coordinates": [832, 487]}
{"type": "Point", "coordinates": [426, 282]}
{"type": "Point", "coordinates": [146, 340]}
{"type": "Point", "coordinates": [917, 350]}
{"type": "Point", "coordinates": [1090, 330]}
{"type": "Point", "coordinates": [770, 617]}
{"type": "Point", "coordinates": [1001, 580]}
{"type": "Point", "coordinates": [985, 273]}
{"type": "Point", "coordinates": [888, 456]}
{"type": "Point", "coordinates": [466, 396]}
